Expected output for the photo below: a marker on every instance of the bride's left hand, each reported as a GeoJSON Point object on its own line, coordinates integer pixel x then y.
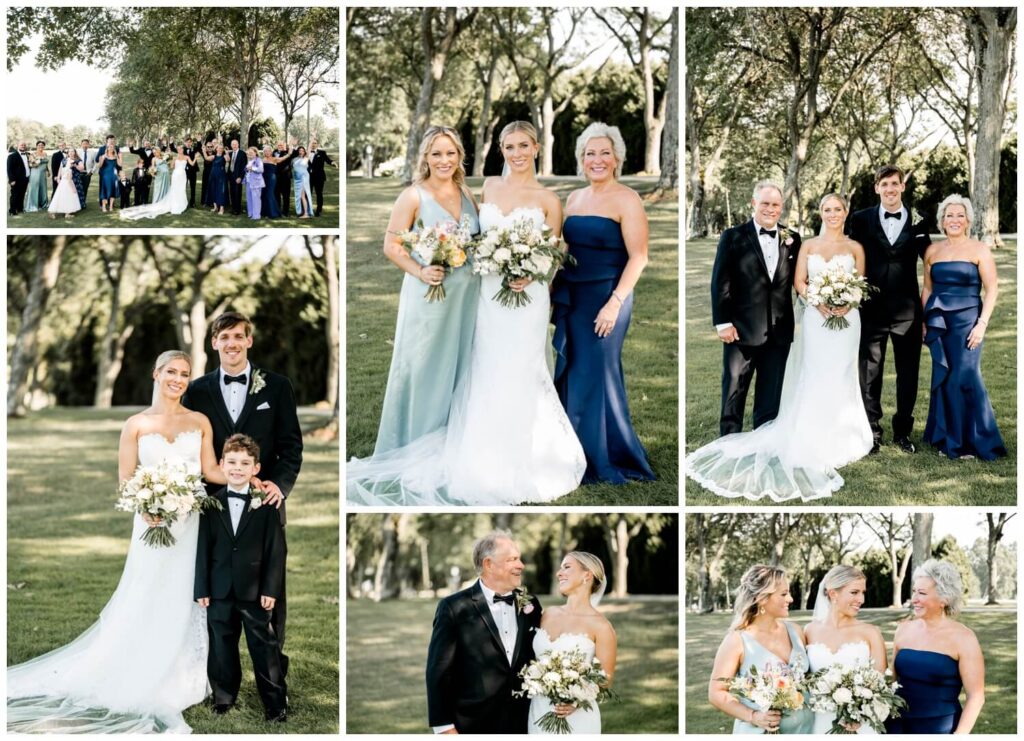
{"type": "Point", "coordinates": [519, 284]}
{"type": "Point", "coordinates": [841, 311]}
{"type": "Point", "coordinates": [851, 727]}
{"type": "Point", "coordinates": [564, 711]}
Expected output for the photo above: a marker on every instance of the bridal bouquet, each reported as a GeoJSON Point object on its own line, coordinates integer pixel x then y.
{"type": "Point", "coordinates": [835, 287]}
{"type": "Point", "coordinates": [168, 491]}
{"type": "Point", "coordinates": [443, 244]}
{"type": "Point", "coordinates": [564, 677]}
{"type": "Point", "coordinates": [522, 250]}
{"type": "Point", "coordinates": [857, 694]}
{"type": "Point", "coordinates": [776, 687]}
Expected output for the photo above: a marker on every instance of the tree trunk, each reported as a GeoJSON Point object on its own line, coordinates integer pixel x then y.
{"type": "Point", "coordinates": [26, 344]}
{"type": "Point", "coordinates": [502, 521]}
{"type": "Point", "coordinates": [703, 567]}
{"type": "Point", "coordinates": [992, 33]}
{"type": "Point", "coordinates": [425, 564]}
{"type": "Point", "coordinates": [617, 536]}
{"type": "Point", "coordinates": [385, 583]}
{"type": "Point", "coordinates": [654, 112]}
{"type": "Point", "coordinates": [330, 246]}
{"type": "Point", "coordinates": [197, 329]}
{"type": "Point", "coordinates": [669, 179]}
{"type": "Point", "coordinates": [547, 133]}
{"type": "Point", "coordinates": [922, 538]}
{"type": "Point", "coordinates": [109, 365]}
{"type": "Point", "coordinates": [558, 552]}
{"type": "Point", "coordinates": [485, 125]}
{"type": "Point", "coordinates": [995, 534]}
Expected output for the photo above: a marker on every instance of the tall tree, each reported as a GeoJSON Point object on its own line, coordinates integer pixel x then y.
{"type": "Point", "coordinates": [895, 534]}
{"type": "Point", "coordinates": [669, 180]}
{"type": "Point", "coordinates": [780, 527]}
{"type": "Point", "coordinates": [324, 253]}
{"type": "Point", "coordinates": [922, 537]}
{"type": "Point", "coordinates": [712, 534]}
{"type": "Point", "coordinates": [996, 524]}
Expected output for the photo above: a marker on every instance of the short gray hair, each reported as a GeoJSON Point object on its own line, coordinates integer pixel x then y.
{"type": "Point", "coordinates": [762, 184]}
{"type": "Point", "coordinates": [487, 546]}
{"type": "Point", "coordinates": [954, 200]}
{"type": "Point", "coordinates": [598, 130]}
{"type": "Point", "coordinates": [948, 584]}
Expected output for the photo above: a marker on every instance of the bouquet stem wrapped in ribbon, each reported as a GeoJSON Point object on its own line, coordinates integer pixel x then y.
{"type": "Point", "coordinates": [564, 677]}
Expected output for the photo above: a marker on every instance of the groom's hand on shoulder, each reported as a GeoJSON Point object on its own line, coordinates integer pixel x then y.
{"type": "Point", "coordinates": [274, 494]}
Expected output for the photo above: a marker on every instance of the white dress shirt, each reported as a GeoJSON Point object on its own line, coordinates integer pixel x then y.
{"type": "Point", "coordinates": [892, 227]}
{"type": "Point", "coordinates": [234, 393]}
{"type": "Point", "coordinates": [236, 507]}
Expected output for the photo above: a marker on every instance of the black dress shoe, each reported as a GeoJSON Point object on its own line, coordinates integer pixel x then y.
{"type": "Point", "coordinates": [904, 444]}
{"type": "Point", "coordinates": [277, 716]}
{"type": "Point", "coordinates": [221, 709]}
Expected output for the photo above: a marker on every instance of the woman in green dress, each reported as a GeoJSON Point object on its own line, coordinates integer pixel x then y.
{"type": "Point", "coordinates": [161, 172]}
{"type": "Point", "coordinates": [36, 199]}
{"type": "Point", "coordinates": [759, 637]}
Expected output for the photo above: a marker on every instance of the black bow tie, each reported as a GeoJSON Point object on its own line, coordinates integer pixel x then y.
{"type": "Point", "coordinates": [769, 232]}
{"type": "Point", "coordinates": [508, 599]}
{"type": "Point", "coordinates": [893, 215]}
{"type": "Point", "coordinates": [237, 495]}
{"type": "Point", "coordinates": [234, 379]}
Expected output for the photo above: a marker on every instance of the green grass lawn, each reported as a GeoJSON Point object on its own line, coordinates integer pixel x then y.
{"type": "Point", "coordinates": [996, 630]}
{"type": "Point", "coordinates": [650, 354]}
{"type": "Point", "coordinates": [66, 547]}
{"type": "Point", "coordinates": [193, 218]}
{"type": "Point", "coordinates": [890, 477]}
{"type": "Point", "coordinates": [386, 653]}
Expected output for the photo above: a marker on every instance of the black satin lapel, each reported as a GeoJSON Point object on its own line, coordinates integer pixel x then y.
{"type": "Point", "coordinates": [755, 244]}
{"type": "Point", "coordinates": [213, 388]}
{"type": "Point", "coordinates": [243, 521]}
{"type": "Point", "coordinates": [485, 613]}
{"type": "Point", "coordinates": [522, 630]}
{"type": "Point", "coordinates": [225, 517]}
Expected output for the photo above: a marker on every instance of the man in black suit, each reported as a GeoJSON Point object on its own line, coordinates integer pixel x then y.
{"type": "Point", "coordinates": [752, 308]}
{"type": "Point", "coordinates": [56, 161]}
{"type": "Point", "coordinates": [482, 638]}
{"type": "Point", "coordinates": [892, 246]}
{"type": "Point", "coordinates": [140, 182]}
{"type": "Point", "coordinates": [17, 177]}
{"type": "Point", "coordinates": [190, 170]}
{"type": "Point", "coordinates": [144, 153]}
{"type": "Point", "coordinates": [236, 174]}
{"type": "Point", "coordinates": [204, 151]}
{"type": "Point", "coordinates": [318, 158]}
{"type": "Point", "coordinates": [283, 190]}
{"type": "Point", "coordinates": [239, 576]}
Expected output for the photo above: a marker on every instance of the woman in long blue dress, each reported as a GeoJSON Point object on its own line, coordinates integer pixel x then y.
{"type": "Point", "coordinates": [218, 179]}
{"type": "Point", "coordinates": [37, 196]}
{"type": "Point", "coordinates": [300, 178]}
{"type": "Point", "coordinates": [961, 421]}
{"type": "Point", "coordinates": [606, 232]}
{"type": "Point", "coordinates": [760, 636]}
{"type": "Point", "coordinates": [161, 173]}
{"type": "Point", "coordinates": [107, 164]}
{"type": "Point", "coordinates": [432, 339]}
{"type": "Point", "coordinates": [270, 209]}
{"type": "Point", "coordinates": [935, 657]}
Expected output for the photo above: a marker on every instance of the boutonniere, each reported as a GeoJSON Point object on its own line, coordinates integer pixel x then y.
{"type": "Point", "coordinates": [524, 601]}
{"type": "Point", "coordinates": [255, 503]}
{"type": "Point", "coordinates": [785, 236]}
{"type": "Point", "coordinates": [258, 382]}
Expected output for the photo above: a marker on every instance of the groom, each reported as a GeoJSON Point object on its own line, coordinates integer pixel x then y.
{"type": "Point", "coordinates": [752, 308]}
{"type": "Point", "coordinates": [892, 246]}
{"type": "Point", "coordinates": [239, 397]}
{"type": "Point", "coordinates": [483, 637]}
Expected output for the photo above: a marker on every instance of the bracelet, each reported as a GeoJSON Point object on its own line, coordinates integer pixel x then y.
{"type": "Point", "coordinates": [617, 296]}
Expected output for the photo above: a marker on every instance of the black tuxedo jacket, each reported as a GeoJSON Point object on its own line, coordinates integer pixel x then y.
{"type": "Point", "coordinates": [140, 178]}
{"type": "Point", "coordinates": [146, 155]}
{"type": "Point", "coordinates": [469, 679]}
{"type": "Point", "coordinates": [284, 167]}
{"type": "Point", "coordinates": [760, 308]}
{"type": "Point", "coordinates": [269, 417]}
{"type": "Point", "coordinates": [892, 268]}
{"type": "Point", "coordinates": [16, 171]}
{"type": "Point", "coordinates": [191, 152]}
{"type": "Point", "coordinates": [55, 162]}
{"type": "Point", "coordinates": [241, 565]}
{"type": "Point", "coordinates": [317, 161]}
{"type": "Point", "coordinates": [238, 171]}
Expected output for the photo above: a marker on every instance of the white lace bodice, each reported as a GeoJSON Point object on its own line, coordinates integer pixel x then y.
{"type": "Point", "coordinates": [821, 656]}
{"type": "Point", "coordinates": [817, 263]}
{"type": "Point", "coordinates": [186, 446]}
{"type": "Point", "coordinates": [491, 216]}
{"type": "Point", "coordinates": [566, 641]}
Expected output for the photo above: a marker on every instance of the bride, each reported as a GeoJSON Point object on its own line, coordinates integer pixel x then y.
{"type": "Point", "coordinates": [176, 200]}
{"type": "Point", "coordinates": [836, 636]}
{"type": "Point", "coordinates": [144, 661]}
{"type": "Point", "coordinates": [507, 439]}
{"type": "Point", "coordinates": [576, 624]}
{"type": "Point", "coordinates": [821, 425]}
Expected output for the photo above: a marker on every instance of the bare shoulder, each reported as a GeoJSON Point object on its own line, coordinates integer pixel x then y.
{"type": "Point", "coordinates": [983, 250]}
{"type": "Point", "coordinates": [573, 196]}
{"type": "Point", "coordinates": [409, 197]}
{"type": "Point", "coordinates": [200, 419]}
{"type": "Point", "coordinates": [797, 628]}
{"type": "Point", "coordinates": [964, 636]}
{"type": "Point", "coordinates": [870, 631]}
{"type": "Point", "coordinates": [808, 246]}
{"type": "Point", "coordinates": [550, 198]}
{"type": "Point", "coordinates": [602, 626]}
{"type": "Point", "coordinates": [855, 247]}
{"type": "Point", "coordinates": [133, 424]}
{"type": "Point", "coordinates": [630, 199]}
{"type": "Point", "coordinates": [732, 643]}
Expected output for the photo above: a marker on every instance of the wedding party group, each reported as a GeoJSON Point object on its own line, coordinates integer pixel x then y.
{"type": "Point", "coordinates": [472, 413]}
{"type": "Point", "coordinates": [817, 371]}
{"type": "Point", "coordinates": [206, 469]}
{"type": "Point", "coordinates": [834, 675]}
{"type": "Point", "coordinates": [496, 655]}
{"type": "Point", "coordinates": [164, 178]}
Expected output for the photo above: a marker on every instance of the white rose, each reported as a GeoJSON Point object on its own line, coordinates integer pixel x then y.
{"type": "Point", "coordinates": [502, 255]}
{"type": "Point", "coordinates": [543, 263]}
{"type": "Point", "coordinates": [551, 678]}
{"type": "Point", "coordinates": [842, 696]}
{"type": "Point", "coordinates": [863, 692]}
{"type": "Point", "coordinates": [881, 710]}
{"type": "Point", "coordinates": [144, 493]}
{"type": "Point", "coordinates": [826, 290]}
{"type": "Point", "coordinates": [520, 249]}
{"type": "Point", "coordinates": [159, 488]}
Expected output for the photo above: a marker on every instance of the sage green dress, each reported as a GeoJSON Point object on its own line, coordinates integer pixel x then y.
{"type": "Point", "coordinates": [161, 182]}
{"type": "Point", "coordinates": [754, 654]}
{"type": "Point", "coordinates": [36, 198]}
{"type": "Point", "coordinates": [432, 344]}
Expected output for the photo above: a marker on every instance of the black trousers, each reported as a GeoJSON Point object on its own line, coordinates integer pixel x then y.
{"type": "Point", "coordinates": [18, 190]}
{"type": "Point", "coordinates": [235, 195]}
{"type": "Point", "coordinates": [226, 618]}
{"type": "Point", "coordinates": [283, 191]}
{"type": "Point", "coordinates": [191, 177]}
{"type": "Point", "coordinates": [766, 366]}
{"type": "Point", "coordinates": [906, 350]}
{"type": "Point", "coordinates": [318, 192]}
{"type": "Point", "coordinates": [86, 179]}
{"type": "Point", "coordinates": [141, 194]}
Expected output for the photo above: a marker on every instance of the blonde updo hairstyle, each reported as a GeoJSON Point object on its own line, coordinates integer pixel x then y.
{"type": "Point", "coordinates": [167, 356]}
{"type": "Point", "coordinates": [948, 584]}
{"type": "Point", "coordinates": [827, 196]}
{"type": "Point", "coordinates": [592, 565]}
{"type": "Point", "coordinates": [955, 199]}
{"type": "Point", "coordinates": [757, 584]}
{"type": "Point", "coordinates": [521, 126]}
{"type": "Point", "coordinates": [839, 576]}
{"type": "Point", "coordinates": [423, 167]}
{"type": "Point", "coordinates": [598, 130]}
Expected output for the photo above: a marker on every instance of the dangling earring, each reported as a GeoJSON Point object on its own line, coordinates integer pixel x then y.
{"type": "Point", "coordinates": [761, 611]}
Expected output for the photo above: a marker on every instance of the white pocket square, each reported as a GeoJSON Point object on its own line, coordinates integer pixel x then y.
{"type": "Point", "coordinates": [264, 405]}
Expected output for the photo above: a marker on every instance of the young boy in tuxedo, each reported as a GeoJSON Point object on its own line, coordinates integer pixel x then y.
{"type": "Point", "coordinates": [126, 189]}
{"type": "Point", "coordinates": [239, 575]}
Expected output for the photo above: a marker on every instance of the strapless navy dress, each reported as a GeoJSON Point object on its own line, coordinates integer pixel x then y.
{"type": "Point", "coordinates": [930, 683]}
{"type": "Point", "coordinates": [960, 417]}
{"type": "Point", "coordinates": [588, 368]}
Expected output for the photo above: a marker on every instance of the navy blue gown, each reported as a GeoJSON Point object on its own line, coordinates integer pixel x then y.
{"type": "Point", "coordinates": [219, 182]}
{"type": "Point", "coordinates": [588, 368]}
{"type": "Point", "coordinates": [267, 200]}
{"type": "Point", "coordinates": [930, 683]}
{"type": "Point", "coordinates": [960, 417]}
{"type": "Point", "coordinates": [109, 185]}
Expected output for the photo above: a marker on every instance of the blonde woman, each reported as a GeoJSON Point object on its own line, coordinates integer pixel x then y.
{"type": "Point", "coordinates": [935, 657]}
{"type": "Point", "coordinates": [577, 624]}
{"type": "Point", "coordinates": [836, 636]}
{"type": "Point", "coordinates": [759, 636]}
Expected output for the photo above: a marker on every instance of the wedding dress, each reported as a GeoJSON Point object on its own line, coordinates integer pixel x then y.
{"type": "Point", "coordinates": [821, 425]}
{"type": "Point", "coordinates": [580, 721]}
{"type": "Point", "coordinates": [175, 202]}
{"type": "Point", "coordinates": [508, 439]}
{"type": "Point", "coordinates": [144, 661]}
{"type": "Point", "coordinates": [849, 655]}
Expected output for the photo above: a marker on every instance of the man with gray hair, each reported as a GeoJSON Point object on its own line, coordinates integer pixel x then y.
{"type": "Point", "coordinates": [752, 308]}
{"type": "Point", "coordinates": [481, 640]}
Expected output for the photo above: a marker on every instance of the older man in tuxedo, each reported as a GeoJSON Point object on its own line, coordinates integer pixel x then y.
{"type": "Point", "coordinates": [17, 177]}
